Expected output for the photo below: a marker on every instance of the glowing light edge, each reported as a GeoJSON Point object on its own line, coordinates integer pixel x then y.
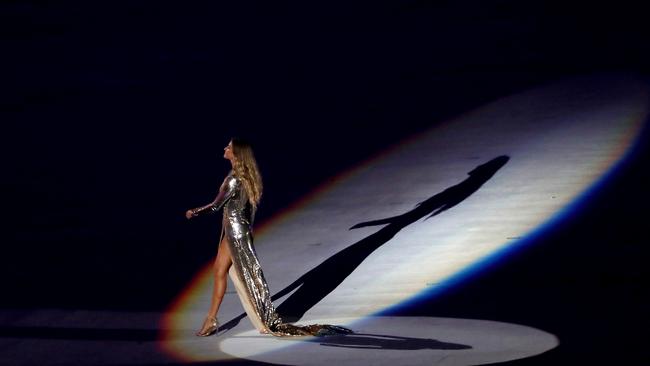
{"type": "Point", "coordinates": [492, 259]}
{"type": "Point", "coordinates": [508, 249]}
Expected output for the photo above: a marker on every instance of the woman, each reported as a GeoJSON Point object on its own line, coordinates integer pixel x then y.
{"type": "Point", "coordinates": [239, 195]}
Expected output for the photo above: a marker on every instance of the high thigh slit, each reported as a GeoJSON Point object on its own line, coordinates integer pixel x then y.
{"type": "Point", "coordinates": [245, 271]}
{"type": "Point", "coordinates": [240, 288]}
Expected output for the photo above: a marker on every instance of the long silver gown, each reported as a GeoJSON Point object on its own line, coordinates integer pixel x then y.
{"type": "Point", "coordinates": [246, 272]}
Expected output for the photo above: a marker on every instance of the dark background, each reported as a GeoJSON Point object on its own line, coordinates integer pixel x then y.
{"type": "Point", "coordinates": [115, 114]}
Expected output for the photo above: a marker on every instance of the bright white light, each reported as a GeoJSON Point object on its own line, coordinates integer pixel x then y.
{"type": "Point", "coordinates": [561, 140]}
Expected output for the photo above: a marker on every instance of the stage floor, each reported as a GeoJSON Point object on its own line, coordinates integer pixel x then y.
{"type": "Point", "coordinates": [426, 214]}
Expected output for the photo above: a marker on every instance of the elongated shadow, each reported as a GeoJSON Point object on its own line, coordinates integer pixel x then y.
{"type": "Point", "coordinates": [324, 278]}
{"type": "Point", "coordinates": [382, 341]}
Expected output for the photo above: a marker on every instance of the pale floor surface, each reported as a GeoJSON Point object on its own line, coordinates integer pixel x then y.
{"type": "Point", "coordinates": [560, 140]}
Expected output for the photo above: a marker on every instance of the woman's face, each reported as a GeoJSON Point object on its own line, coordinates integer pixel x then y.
{"type": "Point", "coordinates": [227, 151]}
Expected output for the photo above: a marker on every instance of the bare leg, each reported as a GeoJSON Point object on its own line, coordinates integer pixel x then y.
{"type": "Point", "coordinates": [221, 266]}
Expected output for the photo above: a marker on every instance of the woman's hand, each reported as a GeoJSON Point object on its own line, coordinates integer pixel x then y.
{"type": "Point", "coordinates": [189, 214]}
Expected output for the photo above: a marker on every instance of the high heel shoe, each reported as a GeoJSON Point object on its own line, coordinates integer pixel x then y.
{"type": "Point", "coordinates": [210, 327]}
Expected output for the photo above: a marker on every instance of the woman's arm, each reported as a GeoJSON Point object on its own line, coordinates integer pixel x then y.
{"type": "Point", "coordinates": [225, 193]}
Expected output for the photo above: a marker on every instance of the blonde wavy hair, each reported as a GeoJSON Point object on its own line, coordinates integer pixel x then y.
{"type": "Point", "coordinates": [245, 168]}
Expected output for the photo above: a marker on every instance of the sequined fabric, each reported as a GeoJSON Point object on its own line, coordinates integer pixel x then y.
{"type": "Point", "coordinates": [248, 277]}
